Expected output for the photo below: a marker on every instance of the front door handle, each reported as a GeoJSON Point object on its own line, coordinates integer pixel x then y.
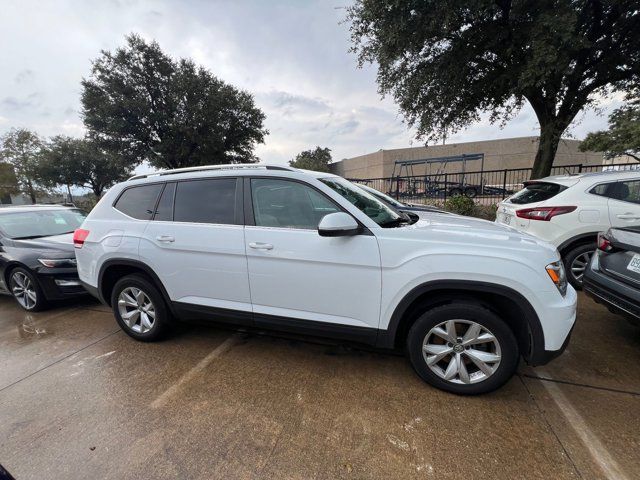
{"type": "Point", "coordinates": [165, 238]}
{"type": "Point", "coordinates": [629, 216]}
{"type": "Point", "coordinates": [261, 246]}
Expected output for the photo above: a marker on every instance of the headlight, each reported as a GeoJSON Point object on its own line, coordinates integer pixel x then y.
{"type": "Point", "coordinates": [57, 262]}
{"type": "Point", "coordinates": [558, 276]}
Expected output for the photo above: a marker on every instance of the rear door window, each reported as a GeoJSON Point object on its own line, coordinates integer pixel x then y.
{"type": "Point", "coordinates": [139, 202]}
{"type": "Point", "coordinates": [537, 192]}
{"type": "Point", "coordinates": [206, 201]}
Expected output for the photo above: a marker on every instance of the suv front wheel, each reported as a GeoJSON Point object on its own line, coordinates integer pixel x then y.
{"type": "Point", "coordinates": [462, 348]}
{"type": "Point", "coordinates": [139, 308]}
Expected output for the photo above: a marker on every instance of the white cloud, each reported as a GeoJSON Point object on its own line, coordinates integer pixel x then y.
{"type": "Point", "coordinates": [293, 56]}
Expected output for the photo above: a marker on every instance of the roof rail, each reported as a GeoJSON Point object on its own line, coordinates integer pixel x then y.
{"type": "Point", "coordinates": [203, 168]}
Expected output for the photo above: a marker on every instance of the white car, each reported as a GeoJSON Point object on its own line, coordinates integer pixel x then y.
{"type": "Point", "coordinates": [273, 247]}
{"type": "Point", "coordinates": [570, 210]}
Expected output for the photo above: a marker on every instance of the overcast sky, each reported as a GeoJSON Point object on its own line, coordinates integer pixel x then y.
{"type": "Point", "coordinates": [292, 55]}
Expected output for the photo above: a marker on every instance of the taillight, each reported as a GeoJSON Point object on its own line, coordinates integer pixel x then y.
{"type": "Point", "coordinates": [603, 243]}
{"type": "Point", "coordinates": [543, 213]}
{"type": "Point", "coordinates": [79, 236]}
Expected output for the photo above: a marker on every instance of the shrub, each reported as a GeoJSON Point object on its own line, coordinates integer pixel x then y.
{"type": "Point", "coordinates": [460, 204]}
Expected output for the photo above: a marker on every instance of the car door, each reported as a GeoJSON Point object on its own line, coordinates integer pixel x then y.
{"type": "Point", "coordinates": [297, 277]}
{"type": "Point", "coordinates": [624, 204]}
{"type": "Point", "coordinates": [195, 243]}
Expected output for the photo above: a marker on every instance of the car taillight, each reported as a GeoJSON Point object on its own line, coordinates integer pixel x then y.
{"type": "Point", "coordinates": [79, 236]}
{"type": "Point", "coordinates": [543, 213]}
{"type": "Point", "coordinates": [603, 243]}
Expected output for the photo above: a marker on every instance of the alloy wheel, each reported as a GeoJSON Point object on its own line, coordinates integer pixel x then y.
{"type": "Point", "coordinates": [461, 351]}
{"type": "Point", "coordinates": [579, 265]}
{"type": "Point", "coordinates": [136, 310]}
{"type": "Point", "coordinates": [24, 290]}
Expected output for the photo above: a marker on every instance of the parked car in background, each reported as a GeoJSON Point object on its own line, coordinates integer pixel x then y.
{"type": "Point", "coordinates": [411, 210]}
{"type": "Point", "coordinates": [37, 258]}
{"type": "Point", "coordinates": [570, 210]}
{"type": "Point", "coordinates": [613, 276]}
{"type": "Point", "coordinates": [277, 248]}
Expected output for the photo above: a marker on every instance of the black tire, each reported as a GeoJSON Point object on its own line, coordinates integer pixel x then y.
{"type": "Point", "coordinates": [507, 342]}
{"type": "Point", "coordinates": [575, 258]}
{"type": "Point", "coordinates": [16, 276]}
{"type": "Point", "coordinates": [162, 318]}
{"type": "Point", "coordinates": [471, 192]}
{"type": "Point", "coordinates": [454, 192]}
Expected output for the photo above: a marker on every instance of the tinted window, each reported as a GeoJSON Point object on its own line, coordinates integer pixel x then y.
{"type": "Point", "coordinates": [282, 203]}
{"type": "Point", "coordinates": [604, 189]}
{"type": "Point", "coordinates": [206, 201]}
{"type": "Point", "coordinates": [40, 223]}
{"type": "Point", "coordinates": [139, 202]}
{"type": "Point", "coordinates": [627, 191]}
{"type": "Point", "coordinates": [164, 212]}
{"type": "Point", "coordinates": [537, 192]}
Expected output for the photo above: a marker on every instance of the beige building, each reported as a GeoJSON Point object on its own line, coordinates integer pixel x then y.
{"type": "Point", "coordinates": [498, 155]}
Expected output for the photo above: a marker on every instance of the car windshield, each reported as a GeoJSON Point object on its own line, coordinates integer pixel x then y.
{"type": "Point", "coordinates": [385, 198]}
{"type": "Point", "coordinates": [537, 192]}
{"type": "Point", "coordinates": [365, 202]}
{"type": "Point", "coordinates": [40, 223]}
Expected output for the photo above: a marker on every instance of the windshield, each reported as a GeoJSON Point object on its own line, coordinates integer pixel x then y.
{"type": "Point", "coordinates": [365, 202]}
{"type": "Point", "coordinates": [381, 196]}
{"type": "Point", "coordinates": [537, 192]}
{"type": "Point", "coordinates": [40, 223]}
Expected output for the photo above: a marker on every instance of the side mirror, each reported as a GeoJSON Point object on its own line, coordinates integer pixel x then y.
{"type": "Point", "coordinates": [338, 224]}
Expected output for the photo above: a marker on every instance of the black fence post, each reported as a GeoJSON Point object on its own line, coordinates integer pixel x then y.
{"type": "Point", "coordinates": [397, 187]}
{"type": "Point", "coordinates": [580, 168]}
{"type": "Point", "coordinates": [446, 185]}
{"type": "Point", "coordinates": [504, 184]}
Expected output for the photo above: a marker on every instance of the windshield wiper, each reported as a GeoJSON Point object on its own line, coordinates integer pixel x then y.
{"type": "Point", "coordinates": [29, 237]}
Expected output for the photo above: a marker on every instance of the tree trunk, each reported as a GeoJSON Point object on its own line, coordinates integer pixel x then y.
{"type": "Point", "coordinates": [32, 192]}
{"type": "Point", "coordinates": [550, 134]}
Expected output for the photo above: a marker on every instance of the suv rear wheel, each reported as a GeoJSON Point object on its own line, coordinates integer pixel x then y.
{"type": "Point", "coordinates": [139, 308]}
{"type": "Point", "coordinates": [576, 262]}
{"type": "Point", "coordinates": [462, 348]}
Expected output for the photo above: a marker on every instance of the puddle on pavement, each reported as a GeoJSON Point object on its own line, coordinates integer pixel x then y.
{"type": "Point", "coordinates": [30, 329]}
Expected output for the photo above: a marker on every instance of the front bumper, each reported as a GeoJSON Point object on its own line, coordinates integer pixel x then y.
{"type": "Point", "coordinates": [59, 283]}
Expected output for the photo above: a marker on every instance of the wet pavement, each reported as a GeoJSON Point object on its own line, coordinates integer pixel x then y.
{"type": "Point", "coordinates": [79, 399]}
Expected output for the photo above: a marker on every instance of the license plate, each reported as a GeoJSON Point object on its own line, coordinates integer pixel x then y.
{"type": "Point", "coordinates": [506, 218]}
{"type": "Point", "coordinates": [634, 264]}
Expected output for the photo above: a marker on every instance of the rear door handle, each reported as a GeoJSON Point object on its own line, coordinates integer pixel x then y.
{"type": "Point", "coordinates": [261, 246]}
{"type": "Point", "coordinates": [629, 216]}
{"type": "Point", "coordinates": [165, 238]}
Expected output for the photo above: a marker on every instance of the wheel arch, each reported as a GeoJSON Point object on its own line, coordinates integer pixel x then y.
{"type": "Point", "coordinates": [112, 270]}
{"type": "Point", "coordinates": [10, 267]}
{"type": "Point", "coordinates": [507, 303]}
{"type": "Point", "coordinates": [573, 242]}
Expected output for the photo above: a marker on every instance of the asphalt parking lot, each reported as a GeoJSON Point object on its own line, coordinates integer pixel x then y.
{"type": "Point", "coordinates": [80, 399]}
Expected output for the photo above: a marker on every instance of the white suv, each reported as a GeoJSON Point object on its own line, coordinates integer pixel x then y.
{"type": "Point", "coordinates": [278, 248]}
{"type": "Point", "coordinates": [570, 210]}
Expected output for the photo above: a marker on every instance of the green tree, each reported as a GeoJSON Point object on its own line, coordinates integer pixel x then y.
{"type": "Point", "coordinates": [8, 181]}
{"type": "Point", "coordinates": [447, 61]}
{"type": "Point", "coordinates": [623, 136]}
{"type": "Point", "coordinates": [141, 104]}
{"type": "Point", "coordinates": [22, 149]}
{"type": "Point", "coordinates": [80, 162]}
{"type": "Point", "coordinates": [317, 159]}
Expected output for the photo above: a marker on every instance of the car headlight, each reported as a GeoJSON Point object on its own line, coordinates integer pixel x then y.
{"type": "Point", "coordinates": [57, 262]}
{"type": "Point", "coordinates": [558, 276]}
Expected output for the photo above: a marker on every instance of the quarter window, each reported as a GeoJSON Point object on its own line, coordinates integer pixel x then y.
{"type": "Point", "coordinates": [139, 202]}
{"type": "Point", "coordinates": [287, 204]}
{"type": "Point", "coordinates": [206, 201]}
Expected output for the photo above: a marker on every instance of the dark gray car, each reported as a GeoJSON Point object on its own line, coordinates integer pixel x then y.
{"type": "Point", "coordinates": [613, 275]}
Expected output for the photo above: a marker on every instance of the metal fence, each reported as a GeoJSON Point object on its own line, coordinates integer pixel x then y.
{"type": "Point", "coordinates": [486, 187]}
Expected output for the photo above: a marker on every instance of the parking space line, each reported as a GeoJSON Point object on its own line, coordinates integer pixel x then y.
{"type": "Point", "coordinates": [597, 450]}
{"type": "Point", "coordinates": [199, 367]}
